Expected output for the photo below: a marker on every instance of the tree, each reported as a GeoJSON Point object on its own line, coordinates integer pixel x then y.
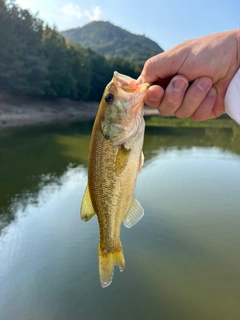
{"type": "Point", "coordinates": [80, 65]}
{"type": "Point", "coordinates": [123, 66]}
{"type": "Point", "coordinates": [100, 75]}
{"type": "Point", "coordinates": [37, 60]}
{"type": "Point", "coordinates": [22, 63]}
{"type": "Point", "coordinates": [59, 65]}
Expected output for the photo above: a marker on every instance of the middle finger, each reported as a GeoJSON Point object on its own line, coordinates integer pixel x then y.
{"type": "Point", "coordinates": [194, 96]}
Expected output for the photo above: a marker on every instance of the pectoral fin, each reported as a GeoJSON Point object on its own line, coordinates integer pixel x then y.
{"type": "Point", "coordinates": [135, 214]}
{"type": "Point", "coordinates": [87, 211]}
{"type": "Point", "coordinates": [141, 161]}
{"type": "Point", "coordinates": [121, 159]}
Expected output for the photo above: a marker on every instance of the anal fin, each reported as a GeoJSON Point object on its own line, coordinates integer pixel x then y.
{"type": "Point", "coordinates": [134, 214]}
{"type": "Point", "coordinates": [87, 210]}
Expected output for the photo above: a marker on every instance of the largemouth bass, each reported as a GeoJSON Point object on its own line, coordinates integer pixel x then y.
{"type": "Point", "coordinates": [115, 158]}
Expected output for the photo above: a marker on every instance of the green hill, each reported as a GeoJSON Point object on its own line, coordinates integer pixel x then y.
{"type": "Point", "coordinates": [112, 41]}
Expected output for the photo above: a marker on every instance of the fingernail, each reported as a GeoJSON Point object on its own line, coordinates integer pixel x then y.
{"type": "Point", "coordinates": [212, 92]}
{"type": "Point", "coordinates": [204, 83]}
{"type": "Point", "coordinates": [139, 80]}
{"type": "Point", "coordinates": [179, 84]}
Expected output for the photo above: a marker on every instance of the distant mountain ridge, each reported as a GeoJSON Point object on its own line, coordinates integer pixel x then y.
{"type": "Point", "coordinates": [113, 41]}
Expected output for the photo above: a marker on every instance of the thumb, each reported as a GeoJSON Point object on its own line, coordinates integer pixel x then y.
{"type": "Point", "coordinates": [161, 66]}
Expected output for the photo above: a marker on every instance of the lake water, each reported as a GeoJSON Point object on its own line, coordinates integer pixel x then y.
{"type": "Point", "coordinates": [182, 258]}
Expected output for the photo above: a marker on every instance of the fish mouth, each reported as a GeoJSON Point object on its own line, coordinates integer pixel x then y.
{"type": "Point", "coordinates": [129, 84]}
{"type": "Point", "coordinates": [135, 90]}
{"type": "Point", "coordinates": [138, 101]}
{"type": "Point", "coordinates": [126, 83]}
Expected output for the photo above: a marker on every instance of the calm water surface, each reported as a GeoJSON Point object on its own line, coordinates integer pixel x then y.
{"type": "Point", "coordinates": [182, 258]}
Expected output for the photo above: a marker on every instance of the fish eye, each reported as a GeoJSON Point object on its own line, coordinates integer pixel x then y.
{"type": "Point", "coordinates": [109, 97]}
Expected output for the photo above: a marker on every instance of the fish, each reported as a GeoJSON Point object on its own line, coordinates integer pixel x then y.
{"type": "Point", "coordinates": [114, 161]}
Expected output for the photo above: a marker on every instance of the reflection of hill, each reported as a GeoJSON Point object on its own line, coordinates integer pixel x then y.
{"type": "Point", "coordinates": [32, 158]}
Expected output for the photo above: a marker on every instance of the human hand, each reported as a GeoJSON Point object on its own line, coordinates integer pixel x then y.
{"type": "Point", "coordinates": [192, 78]}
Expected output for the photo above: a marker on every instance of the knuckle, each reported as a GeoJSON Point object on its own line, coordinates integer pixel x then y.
{"type": "Point", "coordinates": [170, 104]}
{"type": "Point", "coordinates": [218, 109]}
{"type": "Point", "coordinates": [196, 96]}
{"type": "Point", "coordinates": [197, 117]}
{"type": "Point", "coordinates": [165, 112]}
{"type": "Point", "coordinates": [172, 101]}
{"type": "Point", "coordinates": [151, 104]}
{"type": "Point", "coordinates": [194, 99]}
{"type": "Point", "coordinates": [149, 64]}
{"type": "Point", "coordinates": [184, 112]}
{"type": "Point", "coordinates": [181, 115]}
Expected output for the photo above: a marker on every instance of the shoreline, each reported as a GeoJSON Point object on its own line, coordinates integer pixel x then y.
{"type": "Point", "coordinates": [17, 111]}
{"type": "Point", "coordinates": [21, 111]}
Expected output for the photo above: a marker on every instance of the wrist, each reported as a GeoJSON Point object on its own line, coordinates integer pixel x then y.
{"type": "Point", "coordinates": [237, 36]}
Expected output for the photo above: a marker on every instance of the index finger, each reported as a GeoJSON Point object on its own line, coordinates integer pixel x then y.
{"type": "Point", "coordinates": [164, 65]}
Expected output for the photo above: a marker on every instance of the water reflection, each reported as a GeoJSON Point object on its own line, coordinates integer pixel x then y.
{"type": "Point", "coordinates": [182, 259]}
{"type": "Point", "coordinates": [33, 158]}
{"type": "Point", "coordinates": [193, 239]}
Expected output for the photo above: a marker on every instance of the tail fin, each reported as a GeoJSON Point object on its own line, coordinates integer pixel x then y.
{"type": "Point", "coordinates": [107, 261]}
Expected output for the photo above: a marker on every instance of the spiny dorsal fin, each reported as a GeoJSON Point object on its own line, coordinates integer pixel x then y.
{"type": "Point", "coordinates": [121, 159]}
{"type": "Point", "coordinates": [134, 214]}
{"type": "Point", "coordinates": [87, 211]}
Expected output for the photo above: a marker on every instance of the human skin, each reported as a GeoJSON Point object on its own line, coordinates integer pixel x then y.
{"type": "Point", "coordinates": [192, 78]}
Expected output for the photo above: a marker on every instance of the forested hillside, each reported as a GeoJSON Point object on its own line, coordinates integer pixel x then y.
{"type": "Point", "coordinates": [112, 41]}
{"type": "Point", "coordinates": [37, 60]}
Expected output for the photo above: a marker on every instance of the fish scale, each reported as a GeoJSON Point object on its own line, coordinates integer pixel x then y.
{"type": "Point", "coordinates": [115, 158]}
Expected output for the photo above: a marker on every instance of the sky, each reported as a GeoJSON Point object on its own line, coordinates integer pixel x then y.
{"type": "Point", "coordinates": [168, 22]}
